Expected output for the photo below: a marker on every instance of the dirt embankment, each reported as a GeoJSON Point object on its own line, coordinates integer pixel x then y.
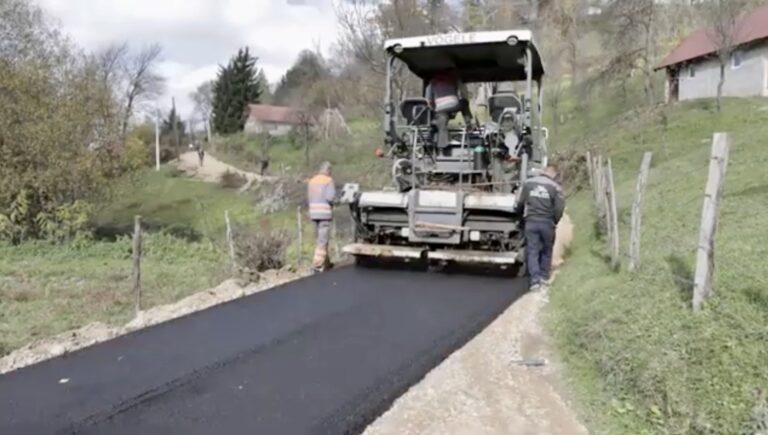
{"type": "Point", "coordinates": [502, 382]}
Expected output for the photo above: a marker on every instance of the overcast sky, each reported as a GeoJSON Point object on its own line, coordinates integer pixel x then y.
{"type": "Point", "coordinates": [198, 35]}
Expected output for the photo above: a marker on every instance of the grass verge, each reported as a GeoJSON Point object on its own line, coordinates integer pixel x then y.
{"type": "Point", "coordinates": [639, 360]}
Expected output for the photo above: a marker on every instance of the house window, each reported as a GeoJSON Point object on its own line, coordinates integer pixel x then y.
{"type": "Point", "coordinates": [736, 59]}
{"type": "Point", "coordinates": [691, 71]}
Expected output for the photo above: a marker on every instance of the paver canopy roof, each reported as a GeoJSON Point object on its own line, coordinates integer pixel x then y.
{"type": "Point", "coordinates": [476, 56]}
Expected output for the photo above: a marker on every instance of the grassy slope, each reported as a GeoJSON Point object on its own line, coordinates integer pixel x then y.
{"type": "Point", "coordinates": [46, 289]}
{"type": "Point", "coordinates": [639, 359]}
{"type": "Point", "coordinates": [176, 204]}
{"type": "Point", "coordinates": [353, 158]}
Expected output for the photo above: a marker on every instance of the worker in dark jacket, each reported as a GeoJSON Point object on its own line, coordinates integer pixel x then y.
{"type": "Point", "coordinates": [542, 201]}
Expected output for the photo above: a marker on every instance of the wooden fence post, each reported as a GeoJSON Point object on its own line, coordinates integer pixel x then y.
{"type": "Point", "coordinates": [231, 243]}
{"type": "Point", "coordinates": [335, 237]}
{"type": "Point", "coordinates": [637, 208]}
{"type": "Point", "coordinates": [600, 186]}
{"type": "Point", "coordinates": [590, 170]}
{"type": "Point", "coordinates": [613, 218]}
{"type": "Point", "coordinates": [705, 254]}
{"type": "Point", "coordinates": [300, 250]}
{"type": "Point", "coordinates": [137, 262]}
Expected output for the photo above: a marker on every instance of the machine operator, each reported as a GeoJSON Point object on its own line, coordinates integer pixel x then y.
{"type": "Point", "coordinates": [447, 95]}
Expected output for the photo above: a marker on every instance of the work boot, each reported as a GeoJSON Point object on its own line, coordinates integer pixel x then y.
{"type": "Point", "coordinates": [535, 286]}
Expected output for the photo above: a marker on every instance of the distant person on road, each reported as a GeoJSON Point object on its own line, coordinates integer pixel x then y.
{"type": "Point", "coordinates": [542, 202]}
{"type": "Point", "coordinates": [321, 194]}
{"type": "Point", "coordinates": [200, 152]}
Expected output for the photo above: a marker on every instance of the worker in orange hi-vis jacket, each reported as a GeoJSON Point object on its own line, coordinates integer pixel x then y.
{"type": "Point", "coordinates": [321, 194]}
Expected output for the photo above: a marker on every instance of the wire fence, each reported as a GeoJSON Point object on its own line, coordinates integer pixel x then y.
{"type": "Point", "coordinates": [692, 218]}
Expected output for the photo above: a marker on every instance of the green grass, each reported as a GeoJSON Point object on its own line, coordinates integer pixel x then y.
{"type": "Point", "coordinates": [46, 289]}
{"type": "Point", "coordinates": [639, 360]}
{"type": "Point", "coordinates": [49, 288]}
{"type": "Point", "coordinates": [352, 157]}
{"type": "Point", "coordinates": [174, 203]}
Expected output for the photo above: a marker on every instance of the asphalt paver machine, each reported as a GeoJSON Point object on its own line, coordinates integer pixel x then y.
{"type": "Point", "coordinates": [456, 204]}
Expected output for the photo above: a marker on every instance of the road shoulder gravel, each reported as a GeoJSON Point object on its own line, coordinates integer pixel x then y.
{"type": "Point", "coordinates": [504, 381]}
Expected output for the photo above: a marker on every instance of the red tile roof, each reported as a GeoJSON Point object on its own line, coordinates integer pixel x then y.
{"type": "Point", "coordinates": [751, 28]}
{"type": "Point", "coordinates": [274, 114]}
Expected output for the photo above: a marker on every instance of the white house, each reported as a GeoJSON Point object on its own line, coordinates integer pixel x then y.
{"type": "Point", "coordinates": [693, 69]}
{"type": "Point", "coordinates": [276, 120]}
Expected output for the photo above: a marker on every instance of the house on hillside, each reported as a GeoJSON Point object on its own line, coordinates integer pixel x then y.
{"type": "Point", "coordinates": [275, 120]}
{"type": "Point", "coordinates": [693, 70]}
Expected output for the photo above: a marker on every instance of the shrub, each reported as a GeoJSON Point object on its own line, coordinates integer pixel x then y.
{"type": "Point", "coordinates": [136, 154]}
{"type": "Point", "coordinates": [573, 170]}
{"type": "Point", "coordinates": [59, 223]}
{"type": "Point", "coordinates": [232, 180]}
{"type": "Point", "coordinates": [260, 250]}
{"type": "Point", "coordinates": [66, 222]}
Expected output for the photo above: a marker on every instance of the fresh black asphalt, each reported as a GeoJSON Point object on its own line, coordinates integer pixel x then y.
{"type": "Point", "coordinates": [322, 355]}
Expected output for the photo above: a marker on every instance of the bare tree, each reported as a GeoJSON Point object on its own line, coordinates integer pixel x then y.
{"type": "Point", "coordinates": [25, 34]}
{"type": "Point", "coordinates": [110, 64]}
{"type": "Point", "coordinates": [563, 28]}
{"type": "Point", "coordinates": [111, 61]}
{"type": "Point", "coordinates": [203, 99]}
{"type": "Point", "coordinates": [142, 81]}
{"type": "Point", "coordinates": [360, 39]}
{"type": "Point", "coordinates": [304, 122]}
{"type": "Point", "coordinates": [722, 19]}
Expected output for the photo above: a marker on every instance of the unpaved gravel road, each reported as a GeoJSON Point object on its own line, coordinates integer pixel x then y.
{"type": "Point", "coordinates": [212, 169]}
{"type": "Point", "coordinates": [481, 389]}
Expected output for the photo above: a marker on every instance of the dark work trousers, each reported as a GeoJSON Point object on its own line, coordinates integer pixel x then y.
{"type": "Point", "coordinates": [539, 242]}
{"type": "Point", "coordinates": [441, 121]}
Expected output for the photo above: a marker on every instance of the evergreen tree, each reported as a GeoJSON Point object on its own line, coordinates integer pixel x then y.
{"type": "Point", "coordinates": [237, 86]}
{"type": "Point", "coordinates": [266, 93]}
{"type": "Point", "coordinates": [167, 127]}
{"type": "Point", "coordinates": [308, 69]}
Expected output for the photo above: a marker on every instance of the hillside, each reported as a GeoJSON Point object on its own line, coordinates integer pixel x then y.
{"type": "Point", "coordinates": [638, 358]}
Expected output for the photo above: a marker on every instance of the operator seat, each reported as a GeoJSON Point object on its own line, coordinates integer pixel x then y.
{"type": "Point", "coordinates": [497, 103]}
{"type": "Point", "coordinates": [416, 112]}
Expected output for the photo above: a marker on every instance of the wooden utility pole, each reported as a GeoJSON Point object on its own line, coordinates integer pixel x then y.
{"type": "Point", "coordinates": [157, 139]}
{"type": "Point", "coordinates": [136, 275]}
{"type": "Point", "coordinates": [705, 253]}
{"type": "Point", "coordinates": [208, 132]}
{"type": "Point", "coordinates": [637, 207]}
{"type": "Point", "coordinates": [175, 126]}
{"type": "Point", "coordinates": [613, 218]}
